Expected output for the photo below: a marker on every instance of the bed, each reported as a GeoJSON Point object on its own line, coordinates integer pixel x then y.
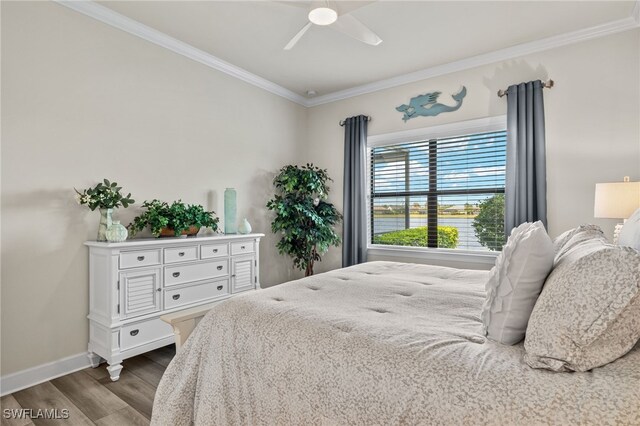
{"type": "Point", "coordinates": [378, 343]}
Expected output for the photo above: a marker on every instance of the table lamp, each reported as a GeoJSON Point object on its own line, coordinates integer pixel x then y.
{"type": "Point", "coordinates": [617, 200]}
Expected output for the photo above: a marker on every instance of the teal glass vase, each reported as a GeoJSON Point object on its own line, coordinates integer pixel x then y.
{"type": "Point", "coordinates": [230, 211]}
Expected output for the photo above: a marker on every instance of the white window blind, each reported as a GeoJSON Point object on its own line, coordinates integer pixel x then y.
{"type": "Point", "coordinates": [440, 193]}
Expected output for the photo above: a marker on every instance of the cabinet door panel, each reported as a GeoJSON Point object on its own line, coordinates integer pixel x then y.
{"type": "Point", "coordinates": [243, 274]}
{"type": "Point", "coordinates": [139, 292]}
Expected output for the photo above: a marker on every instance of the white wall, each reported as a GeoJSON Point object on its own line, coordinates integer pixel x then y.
{"type": "Point", "coordinates": [592, 121]}
{"type": "Point", "coordinates": [82, 101]}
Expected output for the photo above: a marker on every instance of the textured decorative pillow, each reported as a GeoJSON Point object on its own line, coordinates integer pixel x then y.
{"type": "Point", "coordinates": [630, 232]}
{"type": "Point", "coordinates": [562, 239]}
{"type": "Point", "coordinates": [588, 313]}
{"type": "Point", "coordinates": [565, 242]}
{"type": "Point", "coordinates": [515, 282]}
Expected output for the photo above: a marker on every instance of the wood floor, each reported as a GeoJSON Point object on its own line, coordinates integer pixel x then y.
{"type": "Point", "coordinates": [92, 398]}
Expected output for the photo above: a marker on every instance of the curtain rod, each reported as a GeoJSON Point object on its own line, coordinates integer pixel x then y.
{"type": "Point", "coordinates": [546, 84]}
{"type": "Point", "coordinates": [342, 122]}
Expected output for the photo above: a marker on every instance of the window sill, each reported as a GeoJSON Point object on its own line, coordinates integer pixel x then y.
{"type": "Point", "coordinates": [459, 256]}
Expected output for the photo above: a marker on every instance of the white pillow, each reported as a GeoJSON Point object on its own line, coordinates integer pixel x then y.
{"type": "Point", "coordinates": [630, 232]}
{"type": "Point", "coordinates": [515, 283]}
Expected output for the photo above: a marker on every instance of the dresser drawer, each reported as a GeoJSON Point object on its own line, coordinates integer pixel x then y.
{"type": "Point", "coordinates": [134, 259]}
{"type": "Point", "coordinates": [242, 247]}
{"type": "Point", "coordinates": [195, 293]}
{"type": "Point", "coordinates": [180, 254]}
{"type": "Point", "coordinates": [180, 274]}
{"type": "Point", "coordinates": [214, 250]}
{"type": "Point", "coordinates": [141, 333]}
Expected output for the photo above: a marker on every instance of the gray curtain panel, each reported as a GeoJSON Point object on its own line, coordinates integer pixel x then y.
{"type": "Point", "coordinates": [354, 236]}
{"type": "Point", "coordinates": [526, 171]}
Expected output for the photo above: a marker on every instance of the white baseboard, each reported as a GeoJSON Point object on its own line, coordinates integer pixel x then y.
{"type": "Point", "coordinates": [41, 373]}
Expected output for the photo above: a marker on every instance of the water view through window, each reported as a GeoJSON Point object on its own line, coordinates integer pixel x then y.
{"type": "Point", "coordinates": [440, 193]}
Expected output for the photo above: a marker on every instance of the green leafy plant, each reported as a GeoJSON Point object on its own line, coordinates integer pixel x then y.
{"type": "Point", "coordinates": [417, 237]}
{"type": "Point", "coordinates": [303, 217]}
{"type": "Point", "coordinates": [489, 223]}
{"type": "Point", "coordinates": [177, 217]}
{"type": "Point", "coordinates": [105, 195]}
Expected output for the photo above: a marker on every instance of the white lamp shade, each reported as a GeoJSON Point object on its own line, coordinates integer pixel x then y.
{"type": "Point", "coordinates": [616, 200]}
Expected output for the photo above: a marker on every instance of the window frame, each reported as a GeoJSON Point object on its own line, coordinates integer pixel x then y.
{"type": "Point", "coordinates": [468, 127]}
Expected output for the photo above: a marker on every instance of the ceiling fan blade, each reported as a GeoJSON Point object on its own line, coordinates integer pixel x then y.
{"type": "Point", "coordinates": [297, 37]}
{"type": "Point", "coordinates": [350, 26]}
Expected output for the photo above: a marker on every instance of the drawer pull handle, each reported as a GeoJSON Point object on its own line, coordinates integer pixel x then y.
{"type": "Point", "coordinates": [176, 274]}
{"type": "Point", "coordinates": [159, 290]}
{"type": "Point", "coordinates": [134, 332]}
{"type": "Point", "coordinates": [242, 247]}
{"type": "Point", "coordinates": [176, 296]}
{"type": "Point", "coordinates": [220, 268]}
{"type": "Point", "coordinates": [140, 258]}
{"type": "Point", "coordinates": [219, 287]}
{"type": "Point", "coordinates": [181, 254]}
{"type": "Point", "coordinates": [215, 250]}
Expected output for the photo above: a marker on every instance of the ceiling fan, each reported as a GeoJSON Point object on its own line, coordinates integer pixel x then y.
{"type": "Point", "coordinates": [335, 15]}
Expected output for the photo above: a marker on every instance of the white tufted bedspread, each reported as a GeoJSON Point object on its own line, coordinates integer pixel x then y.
{"type": "Point", "coordinates": [377, 344]}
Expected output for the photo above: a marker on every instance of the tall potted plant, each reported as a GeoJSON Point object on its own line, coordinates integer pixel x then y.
{"type": "Point", "coordinates": [303, 216]}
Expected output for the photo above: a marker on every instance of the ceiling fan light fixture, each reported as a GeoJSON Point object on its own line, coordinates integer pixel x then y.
{"type": "Point", "coordinates": [323, 16]}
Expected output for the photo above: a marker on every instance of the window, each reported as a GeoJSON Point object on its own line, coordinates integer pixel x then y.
{"type": "Point", "coordinates": [440, 192]}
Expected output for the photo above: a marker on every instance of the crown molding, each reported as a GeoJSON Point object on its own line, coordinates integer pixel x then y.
{"type": "Point", "coordinates": [121, 22]}
{"type": "Point", "coordinates": [487, 58]}
{"type": "Point", "coordinates": [117, 20]}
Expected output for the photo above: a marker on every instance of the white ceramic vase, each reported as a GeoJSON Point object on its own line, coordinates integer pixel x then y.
{"type": "Point", "coordinates": [116, 233]}
{"type": "Point", "coordinates": [245, 227]}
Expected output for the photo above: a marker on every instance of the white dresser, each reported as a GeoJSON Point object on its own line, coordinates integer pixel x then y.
{"type": "Point", "coordinates": [131, 284]}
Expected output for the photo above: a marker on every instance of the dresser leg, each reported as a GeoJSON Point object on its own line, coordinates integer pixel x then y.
{"type": "Point", "coordinates": [114, 371]}
{"type": "Point", "coordinates": [94, 359]}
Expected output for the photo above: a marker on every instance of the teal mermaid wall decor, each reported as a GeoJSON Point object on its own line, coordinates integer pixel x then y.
{"type": "Point", "coordinates": [427, 105]}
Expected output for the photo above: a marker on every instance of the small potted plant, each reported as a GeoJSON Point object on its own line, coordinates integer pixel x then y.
{"type": "Point", "coordinates": [175, 219]}
{"type": "Point", "coordinates": [105, 196]}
